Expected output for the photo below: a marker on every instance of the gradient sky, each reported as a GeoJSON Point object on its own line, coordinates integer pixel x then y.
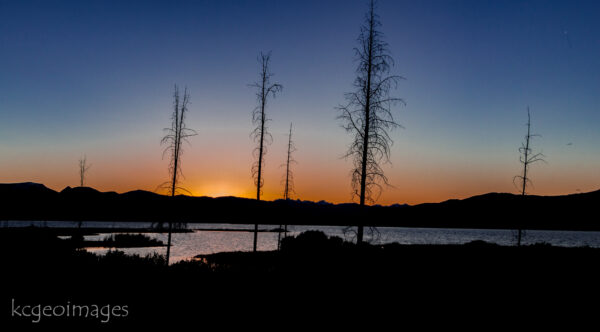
{"type": "Point", "coordinates": [96, 78]}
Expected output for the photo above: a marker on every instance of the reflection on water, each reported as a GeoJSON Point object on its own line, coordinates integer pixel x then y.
{"type": "Point", "coordinates": [188, 245]}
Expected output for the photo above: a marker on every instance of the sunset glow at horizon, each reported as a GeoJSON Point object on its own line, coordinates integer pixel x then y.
{"type": "Point", "coordinates": [96, 78]}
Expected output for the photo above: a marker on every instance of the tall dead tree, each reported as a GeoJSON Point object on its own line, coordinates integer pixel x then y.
{"type": "Point", "coordinates": [83, 168]}
{"type": "Point", "coordinates": [527, 158]}
{"type": "Point", "coordinates": [260, 133]}
{"type": "Point", "coordinates": [288, 181]}
{"type": "Point", "coordinates": [173, 139]}
{"type": "Point", "coordinates": [288, 188]}
{"type": "Point", "coordinates": [368, 113]}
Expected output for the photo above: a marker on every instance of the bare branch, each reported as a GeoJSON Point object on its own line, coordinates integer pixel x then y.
{"type": "Point", "coordinates": [527, 158]}
{"type": "Point", "coordinates": [368, 114]}
{"type": "Point", "coordinates": [83, 168]}
{"type": "Point", "coordinates": [288, 178]}
{"type": "Point", "coordinates": [174, 139]}
{"type": "Point", "coordinates": [260, 133]}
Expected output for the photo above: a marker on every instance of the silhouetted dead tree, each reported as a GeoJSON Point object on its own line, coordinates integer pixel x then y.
{"type": "Point", "coordinates": [288, 181]}
{"type": "Point", "coordinates": [83, 168]}
{"type": "Point", "coordinates": [527, 158]}
{"type": "Point", "coordinates": [259, 118]}
{"type": "Point", "coordinates": [368, 115]}
{"type": "Point", "coordinates": [173, 139]}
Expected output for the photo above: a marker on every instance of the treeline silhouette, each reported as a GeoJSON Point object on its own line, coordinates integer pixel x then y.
{"type": "Point", "coordinates": [30, 201]}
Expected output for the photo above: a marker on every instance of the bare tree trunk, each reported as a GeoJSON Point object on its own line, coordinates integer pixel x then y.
{"type": "Point", "coordinates": [291, 148]}
{"type": "Point", "coordinates": [368, 115]}
{"type": "Point", "coordinates": [363, 174]}
{"type": "Point", "coordinates": [260, 134]}
{"type": "Point", "coordinates": [255, 237]}
{"type": "Point", "coordinates": [526, 159]}
{"type": "Point", "coordinates": [175, 166]}
{"type": "Point", "coordinates": [176, 135]}
{"type": "Point", "coordinates": [169, 241]}
{"type": "Point", "coordinates": [526, 152]}
{"type": "Point", "coordinates": [525, 164]}
{"type": "Point", "coordinates": [288, 182]}
{"type": "Point", "coordinates": [260, 156]}
{"type": "Point", "coordinates": [83, 168]}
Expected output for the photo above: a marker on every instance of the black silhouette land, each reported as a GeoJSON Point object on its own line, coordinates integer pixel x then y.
{"type": "Point", "coordinates": [31, 201]}
{"type": "Point", "coordinates": [312, 274]}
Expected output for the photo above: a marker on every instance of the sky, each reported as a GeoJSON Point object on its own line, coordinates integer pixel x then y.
{"type": "Point", "coordinates": [96, 78]}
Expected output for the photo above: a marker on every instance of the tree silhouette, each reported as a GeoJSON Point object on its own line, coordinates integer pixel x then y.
{"type": "Point", "coordinates": [527, 157]}
{"type": "Point", "coordinates": [83, 168]}
{"type": "Point", "coordinates": [260, 133]}
{"type": "Point", "coordinates": [288, 181]}
{"type": "Point", "coordinates": [173, 139]}
{"type": "Point", "coordinates": [368, 115]}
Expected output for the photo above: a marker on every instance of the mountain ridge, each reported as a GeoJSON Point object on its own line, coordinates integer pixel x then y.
{"type": "Point", "coordinates": [33, 201]}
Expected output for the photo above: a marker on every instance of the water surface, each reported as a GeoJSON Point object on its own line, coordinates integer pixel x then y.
{"type": "Point", "coordinates": [188, 245]}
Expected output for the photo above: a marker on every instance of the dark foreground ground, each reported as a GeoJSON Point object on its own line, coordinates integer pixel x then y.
{"type": "Point", "coordinates": [312, 281]}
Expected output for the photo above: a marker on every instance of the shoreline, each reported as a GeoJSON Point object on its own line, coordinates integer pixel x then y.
{"type": "Point", "coordinates": [312, 270]}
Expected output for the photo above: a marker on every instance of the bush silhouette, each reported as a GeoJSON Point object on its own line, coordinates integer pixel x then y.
{"type": "Point", "coordinates": [311, 242]}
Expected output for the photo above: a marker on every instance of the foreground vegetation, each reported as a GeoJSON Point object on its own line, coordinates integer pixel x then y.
{"type": "Point", "coordinates": [311, 272]}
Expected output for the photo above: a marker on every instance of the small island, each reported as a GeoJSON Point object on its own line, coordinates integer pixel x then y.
{"type": "Point", "coordinates": [121, 240]}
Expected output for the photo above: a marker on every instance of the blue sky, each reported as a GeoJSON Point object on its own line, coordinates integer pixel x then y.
{"type": "Point", "coordinates": [96, 78]}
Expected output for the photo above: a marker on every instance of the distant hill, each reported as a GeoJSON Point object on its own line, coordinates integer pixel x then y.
{"type": "Point", "coordinates": [32, 201]}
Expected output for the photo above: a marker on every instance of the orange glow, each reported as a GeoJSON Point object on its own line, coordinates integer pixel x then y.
{"type": "Point", "coordinates": [220, 189]}
{"type": "Point", "coordinates": [317, 177]}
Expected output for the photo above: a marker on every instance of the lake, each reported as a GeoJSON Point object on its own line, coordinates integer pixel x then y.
{"type": "Point", "coordinates": [206, 241]}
